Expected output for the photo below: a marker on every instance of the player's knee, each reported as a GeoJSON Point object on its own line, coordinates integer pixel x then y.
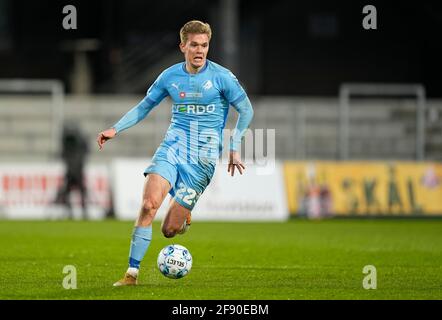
{"type": "Point", "coordinates": [150, 204]}
{"type": "Point", "coordinates": [169, 231]}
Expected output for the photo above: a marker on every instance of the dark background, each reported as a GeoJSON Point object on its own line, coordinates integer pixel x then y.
{"type": "Point", "coordinates": [303, 47]}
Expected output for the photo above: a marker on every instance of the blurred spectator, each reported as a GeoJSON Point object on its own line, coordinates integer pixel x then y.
{"type": "Point", "coordinates": [74, 153]}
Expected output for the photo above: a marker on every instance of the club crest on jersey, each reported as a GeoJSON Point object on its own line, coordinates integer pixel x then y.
{"type": "Point", "coordinates": [207, 85]}
{"type": "Point", "coordinates": [182, 95]}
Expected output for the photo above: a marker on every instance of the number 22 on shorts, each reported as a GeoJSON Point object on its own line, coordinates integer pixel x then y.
{"type": "Point", "coordinates": [188, 195]}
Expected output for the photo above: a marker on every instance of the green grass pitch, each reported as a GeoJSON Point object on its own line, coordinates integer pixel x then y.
{"type": "Point", "coordinates": [295, 260]}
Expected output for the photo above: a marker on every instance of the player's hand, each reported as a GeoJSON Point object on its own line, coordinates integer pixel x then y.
{"type": "Point", "coordinates": [105, 135]}
{"type": "Point", "coordinates": [235, 162]}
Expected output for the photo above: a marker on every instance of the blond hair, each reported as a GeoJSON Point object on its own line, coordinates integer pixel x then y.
{"type": "Point", "coordinates": [195, 26]}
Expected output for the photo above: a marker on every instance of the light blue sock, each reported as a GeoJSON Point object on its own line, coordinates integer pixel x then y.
{"type": "Point", "coordinates": [141, 237]}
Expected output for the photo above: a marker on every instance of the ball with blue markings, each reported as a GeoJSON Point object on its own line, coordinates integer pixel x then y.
{"type": "Point", "coordinates": [174, 261]}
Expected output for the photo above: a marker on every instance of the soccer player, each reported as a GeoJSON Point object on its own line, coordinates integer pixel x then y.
{"type": "Point", "coordinates": [183, 165]}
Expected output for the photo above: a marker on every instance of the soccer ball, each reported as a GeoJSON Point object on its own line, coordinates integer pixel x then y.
{"type": "Point", "coordinates": [174, 261]}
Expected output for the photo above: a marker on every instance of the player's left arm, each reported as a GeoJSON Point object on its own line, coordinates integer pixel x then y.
{"type": "Point", "coordinates": [237, 97]}
{"type": "Point", "coordinates": [245, 115]}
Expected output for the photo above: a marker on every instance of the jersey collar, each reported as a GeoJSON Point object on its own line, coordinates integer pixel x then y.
{"type": "Point", "coordinates": [201, 71]}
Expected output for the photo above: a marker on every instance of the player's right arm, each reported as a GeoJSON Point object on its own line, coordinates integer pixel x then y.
{"type": "Point", "coordinates": [156, 93]}
{"type": "Point", "coordinates": [105, 135]}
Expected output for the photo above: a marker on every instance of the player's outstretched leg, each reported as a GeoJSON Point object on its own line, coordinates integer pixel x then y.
{"type": "Point", "coordinates": [155, 190]}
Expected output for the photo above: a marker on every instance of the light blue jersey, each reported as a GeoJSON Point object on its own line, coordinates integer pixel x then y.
{"type": "Point", "coordinates": [194, 139]}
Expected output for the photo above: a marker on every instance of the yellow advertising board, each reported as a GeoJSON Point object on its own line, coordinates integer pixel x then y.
{"type": "Point", "coordinates": [319, 188]}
